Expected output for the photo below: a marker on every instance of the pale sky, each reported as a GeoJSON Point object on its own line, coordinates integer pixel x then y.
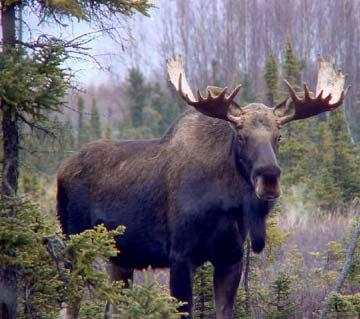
{"type": "Point", "coordinates": [111, 55]}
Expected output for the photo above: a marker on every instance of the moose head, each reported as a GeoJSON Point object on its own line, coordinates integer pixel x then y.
{"type": "Point", "coordinates": [257, 126]}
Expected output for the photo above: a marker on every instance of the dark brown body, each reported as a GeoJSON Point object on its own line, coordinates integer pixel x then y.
{"type": "Point", "coordinates": [185, 199]}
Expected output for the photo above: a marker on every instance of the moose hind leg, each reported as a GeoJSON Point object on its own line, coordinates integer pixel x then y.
{"type": "Point", "coordinates": [226, 283]}
{"type": "Point", "coordinates": [117, 273]}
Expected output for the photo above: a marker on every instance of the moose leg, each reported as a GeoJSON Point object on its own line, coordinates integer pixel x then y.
{"type": "Point", "coordinates": [117, 273]}
{"type": "Point", "coordinates": [226, 282]}
{"type": "Point", "coordinates": [181, 284]}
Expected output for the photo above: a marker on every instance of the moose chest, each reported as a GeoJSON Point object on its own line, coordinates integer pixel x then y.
{"type": "Point", "coordinates": [208, 224]}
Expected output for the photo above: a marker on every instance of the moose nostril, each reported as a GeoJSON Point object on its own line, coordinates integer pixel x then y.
{"type": "Point", "coordinates": [268, 172]}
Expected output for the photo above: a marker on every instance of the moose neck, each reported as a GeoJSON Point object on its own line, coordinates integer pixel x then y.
{"type": "Point", "coordinates": [208, 142]}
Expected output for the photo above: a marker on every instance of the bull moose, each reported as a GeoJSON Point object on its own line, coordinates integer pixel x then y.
{"type": "Point", "coordinates": [196, 193]}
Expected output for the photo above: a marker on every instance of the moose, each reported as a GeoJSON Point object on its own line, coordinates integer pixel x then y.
{"type": "Point", "coordinates": [195, 194]}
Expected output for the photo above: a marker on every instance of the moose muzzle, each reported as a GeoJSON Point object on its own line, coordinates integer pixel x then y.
{"type": "Point", "coordinates": [266, 182]}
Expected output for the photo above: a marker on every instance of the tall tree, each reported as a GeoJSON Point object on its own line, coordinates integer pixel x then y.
{"type": "Point", "coordinates": [108, 127]}
{"type": "Point", "coordinates": [137, 93]}
{"type": "Point", "coordinates": [32, 83]}
{"type": "Point", "coordinates": [9, 118]}
{"type": "Point", "coordinates": [95, 123]}
{"type": "Point", "coordinates": [346, 165]}
{"type": "Point", "coordinates": [81, 138]}
{"type": "Point", "coordinates": [291, 64]}
{"type": "Point", "coordinates": [271, 77]}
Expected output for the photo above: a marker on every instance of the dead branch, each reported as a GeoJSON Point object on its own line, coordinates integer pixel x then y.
{"type": "Point", "coordinates": [345, 270]}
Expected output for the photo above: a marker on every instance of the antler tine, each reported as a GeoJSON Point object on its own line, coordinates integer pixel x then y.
{"type": "Point", "coordinates": [184, 95]}
{"type": "Point", "coordinates": [234, 93]}
{"type": "Point", "coordinates": [214, 104]}
{"type": "Point", "coordinates": [307, 92]}
{"type": "Point", "coordinates": [330, 83]}
{"type": "Point", "coordinates": [292, 91]}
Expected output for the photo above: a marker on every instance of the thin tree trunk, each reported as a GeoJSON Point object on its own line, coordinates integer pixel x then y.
{"type": "Point", "coordinates": [8, 283]}
{"type": "Point", "coordinates": [344, 272]}
{"type": "Point", "coordinates": [246, 277]}
{"type": "Point", "coordinates": [9, 123]}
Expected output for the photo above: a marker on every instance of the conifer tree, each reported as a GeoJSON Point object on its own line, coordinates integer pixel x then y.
{"type": "Point", "coordinates": [280, 305]}
{"type": "Point", "coordinates": [33, 82]}
{"type": "Point", "coordinates": [271, 77]}
{"type": "Point", "coordinates": [137, 93]}
{"type": "Point", "coordinates": [296, 146]}
{"type": "Point", "coordinates": [346, 163]}
{"type": "Point", "coordinates": [354, 127]}
{"type": "Point", "coordinates": [203, 293]}
{"type": "Point", "coordinates": [80, 126]}
{"type": "Point", "coordinates": [108, 127]}
{"type": "Point", "coordinates": [247, 95]}
{"type": "Point", "coordinates": [215, 73]}
{"type": "Point", "coordinates": [95, 124]}
{"type": "Point", "coordinates": [325, 191]}
{"type": "Point", "coordinates": [291, 64]}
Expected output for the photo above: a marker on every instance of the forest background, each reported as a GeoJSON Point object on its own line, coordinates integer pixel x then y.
{"type": "Point", "coordinates": [226, 42]}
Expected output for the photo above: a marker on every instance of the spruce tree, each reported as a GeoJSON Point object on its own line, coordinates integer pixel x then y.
{"type": "Point", "coordinates": [108, 127]}
{"type": "Point", "coordinates": [80, 125]}
{"type": "Point", "coordinates": [271, 77]}
{"type": "Point", "coordinates": [203, 293]}
{"type": "Point", "coordinates": [137, 94]}
{"type": "Point", "coordinates": [346, 165]}
{"type": "Point", "coordinates": [247, 95]}
{"type": "Point", "coordinates": [215, 73]}
{"type": "Point", "coordinates": [33, 82]}
{"type": "Point", "coordinates": [291, 64]}
{"type": "Point", "coordinates": [280, 305]}
{"type": "Point", "coordinates": [95, 124]}
{"type": "Point", "coordinates": [325, 190]}
{"type": "Point", "coordinates": [296, 147]}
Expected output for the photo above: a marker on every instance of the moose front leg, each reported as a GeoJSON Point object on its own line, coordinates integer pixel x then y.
{"type": "Point", "coordinates": [226, 283]}
{"type": "Point", "coordinates": [181, 284]}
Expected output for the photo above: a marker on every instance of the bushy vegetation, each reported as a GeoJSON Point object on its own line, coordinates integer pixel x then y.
{"type": "Point", "coordinates": [52, 272]}
{"type": "Point", "coordinates": [291, 279]}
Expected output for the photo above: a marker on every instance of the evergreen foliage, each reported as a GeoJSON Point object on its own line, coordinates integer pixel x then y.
{"type": "Point", "coordinates": [151, 109]}
{"type": "Point", "coordinates": [291, 64]}
{"type": "Point", "coordinates": [50, 271]}
{"type": "Point", "coordinates": [80, 125]}
{"type": "Point", "coordinates": [271, 77]}
{"type": "Point", "coordinates": [32, 84]}
{"type": "Point", "coordinates": [95, 124]}
{"type": "Point", "coordinates": [204, 307]}
{"type": "Point", "coordinates": [107, 127]}
{"type": "Point", "coordinates": [149, 300]}
{"type": "Point", "coordinates": [344, 306]}
{"type": "Point", "coordinates": [346, 160]}
{"type": "Point", "coordinates": [280, 305]}
{"type": "Point", "coordinates": [137, 93]}
{"type": "Point", "coordinates": [247, 95]}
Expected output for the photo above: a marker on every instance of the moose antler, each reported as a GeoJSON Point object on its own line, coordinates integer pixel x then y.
{"type": "Point", "coordinates": [330, 83]}
{"type": "Point", "coordinates": [212, 105]}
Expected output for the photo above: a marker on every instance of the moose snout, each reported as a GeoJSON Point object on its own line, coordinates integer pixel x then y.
{"type": "Point", "coordinates": [266, 181]}
{"type": "Point", "coordinates": [269, 172]}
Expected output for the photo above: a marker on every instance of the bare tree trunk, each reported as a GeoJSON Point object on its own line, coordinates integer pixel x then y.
{"type": "Point", "coordinates": [344, 272]}
{"type": "Point", "coordinates": [8, 283]}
